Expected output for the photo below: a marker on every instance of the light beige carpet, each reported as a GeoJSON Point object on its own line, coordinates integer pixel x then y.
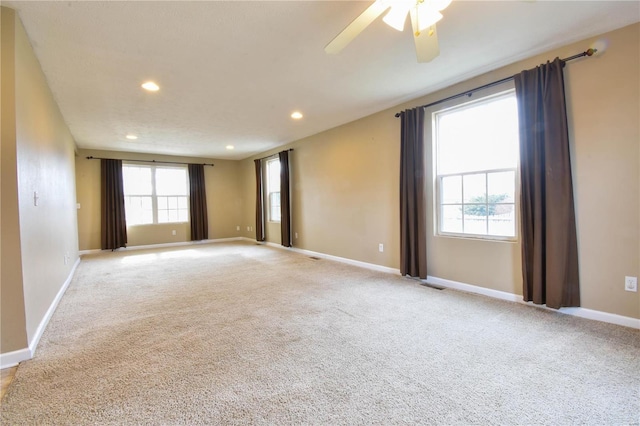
{"type": "Point", "coordinates": [245, 334]}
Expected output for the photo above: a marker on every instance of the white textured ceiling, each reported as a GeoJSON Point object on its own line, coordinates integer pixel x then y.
{"type": "Point", "coordinates": [231, 72]}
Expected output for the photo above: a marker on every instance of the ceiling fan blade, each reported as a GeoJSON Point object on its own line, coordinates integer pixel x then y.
{"type": "Point", "coordinates": [356, 27]}
{"type": "Point", "coordinates": [426, 43]}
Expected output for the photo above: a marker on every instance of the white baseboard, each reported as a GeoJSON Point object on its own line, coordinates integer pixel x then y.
{"type": "Point", "coordinates": [164, 245]}
{"type": "Point", "coordinates": [348, 261]}
{"type": "Point", "coordinates": [602, 316]}
{"type": "Point", "coordinates": [33, 344]}
{"type": "Point", "coordinates": [371, 266]}
{"type": "Point", "coordinates": [11, 359]}
{"type": "Point", "coordinates": [502, 295]}
{"type": "Point", "coordinates": [496, 294]}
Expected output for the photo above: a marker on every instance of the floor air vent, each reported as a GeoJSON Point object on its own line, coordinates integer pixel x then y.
{"type": "Point", "coordinates": [435, 287]}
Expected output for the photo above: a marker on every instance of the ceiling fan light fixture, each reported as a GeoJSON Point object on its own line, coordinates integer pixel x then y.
{"type": "Point", "coordinates": [426, 17]}
{"type": "Point", "coordinates": [397, 14]}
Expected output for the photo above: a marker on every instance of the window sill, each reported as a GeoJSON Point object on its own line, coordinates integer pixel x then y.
{"type": "Point", "coordinates": [483, 238]}
{"type": "Point", "coordinates": [157, 224]}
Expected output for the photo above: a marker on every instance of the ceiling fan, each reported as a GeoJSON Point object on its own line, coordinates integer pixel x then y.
{"type": "Point", "coordinates": [423, 13]}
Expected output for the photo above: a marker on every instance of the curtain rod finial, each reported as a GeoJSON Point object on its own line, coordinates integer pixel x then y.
{"type": "Point", "coordinates": [590, 51]}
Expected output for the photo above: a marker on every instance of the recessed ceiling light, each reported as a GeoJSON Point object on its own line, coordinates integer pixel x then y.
{"type": "Point", "coordinates": [297, 115]}
{"type": "Point", "coordinates": [230, 146]}
{"type": "Point", "coordinates": [131, 137]}
{"type": "Point", "coordinates": [150, 86]}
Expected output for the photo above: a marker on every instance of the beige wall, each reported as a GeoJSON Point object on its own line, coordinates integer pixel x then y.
{"type": "Point", "coordinates": [13, 332]}
{"type": "Point", "coordinates": [223, 201]}
{"type": "Point", "coordinates": [344, 191]}
{"type": "Point", "coordinates": [44, 240]}
{"type": "Point", "coordinates": [345, 184]}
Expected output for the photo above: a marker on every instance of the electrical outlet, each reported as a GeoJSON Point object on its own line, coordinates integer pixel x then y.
{"type": "Point", "coordinates": [380, 247]}
{"type": "Point", "coordinates": [237, 228]}
{"type": "Point", "coordinates": [173, 232]}
{"type": "Point", "coordinates": [296, 235]}
{"type": "Point", "coordinates": [631, 283]}
{"type": "Point", "coordinates": [248, 228]}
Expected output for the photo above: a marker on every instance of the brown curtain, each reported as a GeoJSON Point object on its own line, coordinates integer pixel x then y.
{"type": "Point", "coordinates": [259, 202]}
{"type": "Point", "coordinates": [413, 236]}
{"type": "Point", "coordinates": [549, 243]}
{"type": "Point", "coordinates": [198, 203]}
{"type": "Point", "coordinates": [285, 203]}
{"type": "Point", "coordinates": [114, 223]}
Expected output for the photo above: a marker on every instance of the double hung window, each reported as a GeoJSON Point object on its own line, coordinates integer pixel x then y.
{"type": "Point", "coordinates": [273, 190]}
{"type": "Point", "coordinates": [476, 151]}
{"type": "Point", "coordinates": [155, 194]}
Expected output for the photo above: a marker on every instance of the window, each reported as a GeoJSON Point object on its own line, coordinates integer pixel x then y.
{"type": "Point", "coordinates": [155, 194]}
{"type": "Point", "coordinates": [273, 190]}
{"type": "Point", "coordinates": [476, 158]}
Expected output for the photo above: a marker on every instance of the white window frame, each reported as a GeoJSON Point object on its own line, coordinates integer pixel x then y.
{"type": "Point", "coordinates": [438, 202]}
{"type": "Point", "coordinates": [154, 196]}
{"type": "Point", "coordinates": [271, 191]}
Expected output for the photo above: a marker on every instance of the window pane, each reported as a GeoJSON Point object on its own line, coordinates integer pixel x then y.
{"type": "Point", "coordinates": [135, 211]}
{"type": "Point", "coordinates": [173, 202]}
{"type": "Point", "coordinates": [171, 181]}
{"type": "Point", "coordinates": [173, 215]}
{"type": "Point", "coordinates": [479, 136]}
{"type": "Point", "coordinates": [183, 216]}
{"type": "Point", "coordinates": [273, 176]}
{"type": "Point", "coordinates": [475, 188]}
{"type": "Point", "coordinates": [147, 216]}
{"type": "Point", "coordinates": [163, 216]}
{"type": "Point", "coordinates": [147, 203]}
{"type": "Point", "coordinates": [274, 206]}
{"type": "Point", "coordinates": [136, 180]}
{"type": "Point", "coordinates": [451, 190]}
{"type": "Point", "coordinates": [475, 224]}
{"type": "Point", "coordinates": [182, 203]}
{"type": "Point", "coordinates": [501, 187]}
{"type": "Point", "coordinates": [162, 203]}
{"type": "Point", "coordinates": [451, 219]}
{"type": "Point", "coordinates": [275, 213]}
{"type": "Point", "coordinates": [502, 220]}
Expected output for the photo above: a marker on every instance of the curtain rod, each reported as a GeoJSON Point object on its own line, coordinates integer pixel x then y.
{"type": "Point", "coordinates": [588, 52]}
{"type": "Point", "coordinates": [148, 161]}
{"type": "Point", "coordinates": [272, 155]}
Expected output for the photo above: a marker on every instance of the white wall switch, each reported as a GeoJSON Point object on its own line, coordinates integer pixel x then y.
{"type": "Point", "coordinates": [237, 228]}
{"type": "Point", "coordinates": [173, 232]}
{"type": "Point", "coordinates": [380, 247]}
